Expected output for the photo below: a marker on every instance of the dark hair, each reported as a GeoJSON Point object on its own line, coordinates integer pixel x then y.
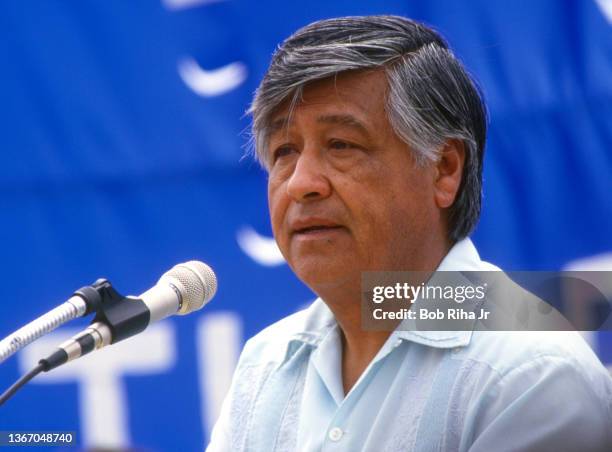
{"type": "Point", "coordinates": [431, 96]}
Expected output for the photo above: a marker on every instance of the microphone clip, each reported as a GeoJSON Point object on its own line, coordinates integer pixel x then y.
{"type": "Point", "coordinates": [125, 316]}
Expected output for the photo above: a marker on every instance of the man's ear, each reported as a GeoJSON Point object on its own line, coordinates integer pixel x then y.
{"type": "Point", "coordinates": [449, 170]}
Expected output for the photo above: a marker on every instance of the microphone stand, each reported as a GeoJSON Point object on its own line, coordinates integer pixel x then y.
{"type": "Point", "coordinates": [83, 302]}
{"type": "Point", "coordinates": [117, 318]}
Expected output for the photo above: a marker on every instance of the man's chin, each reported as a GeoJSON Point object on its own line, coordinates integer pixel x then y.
{"type": "Point", "coordinates": [320, 275]}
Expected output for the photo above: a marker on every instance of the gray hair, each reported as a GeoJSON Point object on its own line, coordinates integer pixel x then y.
{"type": "Point", "coordinates": [431, 97]}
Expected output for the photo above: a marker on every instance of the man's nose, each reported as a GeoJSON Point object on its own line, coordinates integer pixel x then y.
{"type": "Point", "coordinates": [308, 180]}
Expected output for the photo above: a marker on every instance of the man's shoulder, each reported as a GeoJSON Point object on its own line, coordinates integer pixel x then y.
{"type": "Point", "coordinates": [306, 326]}
{"type": "Point", "coordinates": [507, 352]}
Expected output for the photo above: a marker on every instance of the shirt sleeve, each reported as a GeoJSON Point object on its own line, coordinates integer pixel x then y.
{"type": "Point", "coordinates": [221, 435]}
{"type": "Point", "coordinates": [230, 428]}
{"type": "Point", "coordinates": [220, 439]}
{"type": "Point", "coordinates": [547, 404]}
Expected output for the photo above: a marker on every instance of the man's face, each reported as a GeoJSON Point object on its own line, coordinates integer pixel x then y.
{"type": "Point", "coordinates": [344, 192]}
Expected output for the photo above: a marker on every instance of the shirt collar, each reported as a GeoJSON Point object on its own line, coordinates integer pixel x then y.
{"type": "Point", "coordinates": [319, 320]}
{"type": "Point", "coordinates": [463, 256]}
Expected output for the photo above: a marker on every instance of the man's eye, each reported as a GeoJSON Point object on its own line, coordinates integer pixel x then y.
{"type": "Point", "coordinates": [282, 152]}
{"type": "Point", "coordinates": [339, 145]}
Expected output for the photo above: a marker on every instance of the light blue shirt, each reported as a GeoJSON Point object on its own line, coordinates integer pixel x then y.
{"type": "Point", "coordinates": [424, 391]}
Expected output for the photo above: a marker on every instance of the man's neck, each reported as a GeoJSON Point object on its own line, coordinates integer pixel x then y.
{"type": "Point", "coordinates": [359, 347]}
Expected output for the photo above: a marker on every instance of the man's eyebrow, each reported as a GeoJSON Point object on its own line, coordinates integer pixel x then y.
{"type": "Point", "coordinates": [275, 126]}
{"type": "Point", "coordinates": [346, 120]}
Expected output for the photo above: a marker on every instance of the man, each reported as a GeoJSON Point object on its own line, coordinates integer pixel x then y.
{"type": "Point", "coordinates": [373, 136]}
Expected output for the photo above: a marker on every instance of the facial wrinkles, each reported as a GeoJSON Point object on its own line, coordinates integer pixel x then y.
{"type": "Point", "coordinates": [340, 179]}
{"type": "Point", "coordinates": [366, 196]}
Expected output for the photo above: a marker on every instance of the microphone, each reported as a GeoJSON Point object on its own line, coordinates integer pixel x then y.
{"type": "Point", "coordinates": [183, 289]}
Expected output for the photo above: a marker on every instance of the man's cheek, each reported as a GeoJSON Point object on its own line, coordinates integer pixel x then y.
{"type": "Point", "coordinates": [278, 231]}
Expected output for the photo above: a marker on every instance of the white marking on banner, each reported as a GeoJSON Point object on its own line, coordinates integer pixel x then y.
{"type": "Point", "coordinates": [187, 4]}
{"type": "Point", "coordinates": [219, 341]}
{"type": "Point", "coordinates": [261, 249]}
{"type": "Point", "coordinates": [103, 404]}
{"type": "Point", "coordinates": [606, 8]}
{"type": "Point", "coordinates": [213, 82]}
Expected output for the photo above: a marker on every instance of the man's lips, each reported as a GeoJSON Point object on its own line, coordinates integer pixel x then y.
{"type": "Point", "coordinates": [316, 229]}
{"type": "Point", "coordinates": [313, 226]}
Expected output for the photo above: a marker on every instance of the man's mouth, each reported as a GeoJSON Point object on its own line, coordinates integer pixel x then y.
{"type": "Point", "coordinates": [316, 229]}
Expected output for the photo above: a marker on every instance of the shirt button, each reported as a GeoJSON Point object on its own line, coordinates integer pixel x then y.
{"type": "Point", "coordinates": [335, 434]}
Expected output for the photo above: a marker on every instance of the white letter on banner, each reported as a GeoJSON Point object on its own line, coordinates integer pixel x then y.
{"type": "Point", "coordinates": [103, 405]}
{"type": "Point", "coordinates": [219, 341]}
{"type": "Point", "coordinates": [606, 8]}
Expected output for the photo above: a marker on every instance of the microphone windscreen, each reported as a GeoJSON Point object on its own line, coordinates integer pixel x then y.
{"type": "Point", "coordinates": [196, 283]}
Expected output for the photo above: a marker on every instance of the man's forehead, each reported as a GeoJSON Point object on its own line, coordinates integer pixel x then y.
{"type": "Point", "coordinates": [345, 119]}
{"type": "Point", "coordinates": [348, 99]}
